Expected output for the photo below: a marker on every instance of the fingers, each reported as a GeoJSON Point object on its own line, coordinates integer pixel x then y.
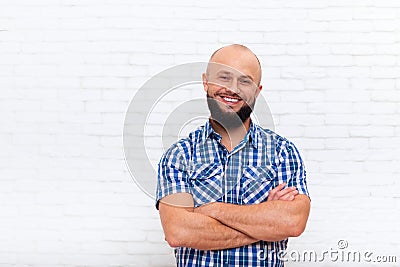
{"type": "Point", "coordinates": [281, 193]}
{"type": "Point", "coordinates": [273, 192]}
{"type": "Point", "coordinates": [287, 192]}
{"type": "Point", "coordinates": [290, 195]}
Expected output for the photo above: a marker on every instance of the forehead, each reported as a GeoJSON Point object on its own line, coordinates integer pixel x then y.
{"type": "Point", "coordinates": [216, 69]}
{"type": "Point", "coordinates": [238, 61]}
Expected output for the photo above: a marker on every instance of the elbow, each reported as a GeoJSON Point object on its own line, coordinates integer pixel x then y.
{"type": "Point", "coordinates": [296, 232]}
{"type": "Point", "coordinates": [171, 239]}
{"type": "Point", "coordinates": [297, 228]}
{"type": "Point", "coordinates": [175, 238]}
{"type": "Point", "coordinates": [299, 222]}
{"type": "Point", "coordinates": [172, 242]}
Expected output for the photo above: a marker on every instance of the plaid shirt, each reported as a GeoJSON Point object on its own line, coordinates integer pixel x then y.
{"type": "Point", "coordinates": [202, 166]}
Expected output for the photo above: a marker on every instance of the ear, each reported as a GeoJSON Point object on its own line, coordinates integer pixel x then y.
{"type": "Point", "coordinates": [205, 82]}
{"type": "Point", "coordinates": [258, 90]}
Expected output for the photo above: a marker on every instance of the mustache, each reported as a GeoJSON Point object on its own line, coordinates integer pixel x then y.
{"type": "Point", "coordinates": [247, 102]}
{"type": "Point", "coordinates": [229, 95]}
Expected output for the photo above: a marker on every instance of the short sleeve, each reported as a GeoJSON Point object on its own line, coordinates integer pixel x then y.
{"type": "Point", "coordinates": [172, 172]}
{"type": "Point", "coordinates": [291, 168]}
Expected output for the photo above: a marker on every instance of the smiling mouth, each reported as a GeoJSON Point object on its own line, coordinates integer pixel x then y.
{"type": "Point", "coordinates": [230, 100]}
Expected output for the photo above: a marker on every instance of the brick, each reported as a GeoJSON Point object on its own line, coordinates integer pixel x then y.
{"type": "Point", "coordinates": [375, 38]}
{"type": "Point", "coordinates": [330, 108]}
{"type": "Point", "coordinates": [387, 49]}
{"type": "Point", "coordinates": [383, 25]}
{"type": "Point", "coordinates": [352, 95]}
{"type": "Point", "coordinates": [374, 108]}
{"type": "Point", "coordinates": [20, 105]}
{"type": "Point", "coordinates": [384, 142]}
{"type": "Point", "coordinates": [306, 4]}
{"type": "Point", "coordinates": [375, 60]}
{"type": "Point", "coordinates": [343, 167]}
{"type": "Point", "coordinates": [346, 143]}
{"type": "Point", "coordinates": [347, 119]}
{"type": "Point", "coordinates": [337, 13]}
{"type": "Point", "coordinates": [307, 49]}
{"type": "Point", "coordinates": [310, 143]}
{"type": "Point", "coordinates": [339, 60]}
{"type": "Point", "coordinates": [21, 139]}
{"type": "Point", "coordinates": [350, 26]}
{"type": "Point", "coordinates": [365, 131]}
{"type": "Point", "coordinates": [385, 72]}
{"type": "Point", "coordinates": [76, 23]}
{"type": "Point", "coordinates": [105, 106]}
{"type": "Point", "coordinates": [163, 260]}
{"type": "Point", "coordinates": [302, 96]}
{"type": "Point", "coordinates": [301, 119]}
{"type": "Point", "coordinates": [330, 37]}
{"type": "Point", "coordinates": [326, 131]}
{"type": "Point", "coordinates": [285, 84]}
{"type": "Point", "coordinates": [382, 119]}
{"type": "Point", "coordinates": [327, 83]}
{"type": "Point", "coordinates": [6, 70]}
{"type": "Point", "coordinates": [365, 13]}
{"type": "Point", "coordinates": [284, 37]}
{"type": "Point", "coordinates": [288, 108]}
{"type": "Point", "coordinates": [351, 72]}
{"type": "Point", "coordinates": [124, 235]}
{"type": "Point", "coordinates": [279, 61]}
{"type": "Point", "coordinates": [102, 83]}
{"type": "Point", "coordinates": [303, 72]}
{"type": "Point", "coordinates": [353, 49]}
{"type": "Point", "coordinates": [362, 83]}
{"type": "Point", "coordinates": [290, 132]}
{"type": "Point", "coordinates": [256, 37]}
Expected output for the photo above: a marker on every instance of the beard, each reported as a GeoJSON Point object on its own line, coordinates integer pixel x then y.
{"type": "Point", "coordinates": [227, 119]}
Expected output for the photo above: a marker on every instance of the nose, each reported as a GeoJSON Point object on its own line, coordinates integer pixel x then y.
{"type": "Point", "coordinates": [233, 86]}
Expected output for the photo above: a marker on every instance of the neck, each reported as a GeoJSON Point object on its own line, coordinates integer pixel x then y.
{"type": "Point", "coordinates": [231, 137]}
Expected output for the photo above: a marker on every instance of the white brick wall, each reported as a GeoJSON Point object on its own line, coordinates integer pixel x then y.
{"type": "Point", "coordinates": [68, 70]}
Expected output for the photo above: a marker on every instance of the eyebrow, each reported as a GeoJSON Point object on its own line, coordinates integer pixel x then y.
{"type": "Point", "coordinates": [230, 73]}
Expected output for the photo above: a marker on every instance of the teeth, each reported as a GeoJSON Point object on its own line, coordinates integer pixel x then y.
{"type": "Point", "coordinates": [233, 100]}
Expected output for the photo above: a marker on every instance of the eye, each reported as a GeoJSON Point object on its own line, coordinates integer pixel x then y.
{"type": "Point", "coordinates": [245, 81]}
{"type": "Point", "coordinates": [224, 77]}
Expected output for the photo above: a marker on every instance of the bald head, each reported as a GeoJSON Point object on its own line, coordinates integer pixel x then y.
{"type": "Point", "coordinates": [238, 57]}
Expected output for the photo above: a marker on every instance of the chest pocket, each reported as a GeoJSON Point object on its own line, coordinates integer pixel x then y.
{"type": "Point", "coordinates": [205, 181]}
{"type": "Point", "coordinates": [256, 183]}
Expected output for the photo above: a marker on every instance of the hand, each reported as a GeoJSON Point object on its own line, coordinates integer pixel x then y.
{"type": "Point", "coordinates": [278, 193]}
{"type": "Point", "coordinates": [206, 209]}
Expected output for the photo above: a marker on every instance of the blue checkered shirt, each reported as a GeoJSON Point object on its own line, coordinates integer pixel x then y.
{"type": "Point", "coordinates": [202, 166]}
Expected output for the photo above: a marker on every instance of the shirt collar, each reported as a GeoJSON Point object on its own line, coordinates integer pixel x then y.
{"type": "Point", "coordinates": [252, 134]}
{"type": "Point", "coordinates": [208, 131]}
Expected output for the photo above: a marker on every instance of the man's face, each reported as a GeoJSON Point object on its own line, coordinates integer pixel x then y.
{"type": "Point", "coordinates": [231, 92]}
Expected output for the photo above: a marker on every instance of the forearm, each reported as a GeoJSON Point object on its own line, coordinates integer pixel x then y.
{"type": "Point", "coordinates": [190, 229]}
{"type": "Point", "coordinates": [270, 221]}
